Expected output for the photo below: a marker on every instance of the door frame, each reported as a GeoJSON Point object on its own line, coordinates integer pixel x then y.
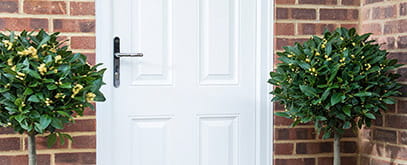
{"type": "Point", "coordinates": [264, 64]}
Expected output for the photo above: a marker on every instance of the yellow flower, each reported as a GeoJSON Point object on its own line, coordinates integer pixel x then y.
{"type": "Point", "coordinates": [10, 61]}
{"type": "Point", "coordinates": [8, 44]}
{"type": "Point", "coordinates": [76, 89]}
{"type": "Point", "coordinates": [290, 55]}
{"type": "Point", "coordinates": [42, 69]}
{"type": "Point", "coordinates": [353, 56]}
{"type": "Point", "coordinates": [33, 52]}
{"type": "Point", "coordinates": [329, 59]}
{"type": "Point", "coordinates": [362, 57]}
{"type": "Point", "coordinates": [323, 46]}
{"type": "Point", "coordinates": [90, 97]}
{"type": "Point", "coordinates": [60, 95]}
{"type": "Point", "coordinates": [317, 54]}
{"type": "Point", "coordinates": [55, 70]}
{"type": "Point", "coordinates": [354, 44]}
{"type": "Point", "coordinates": [307, 60]}
{"type": "Point", "coordinates": [20, 74]}
{"type": "Point", "coordinates": [53, 50]}
{"type": "Point", "coordinates": [7, 85]}
{"type": "Point", "coordinates": [48, 101]}
{"type": "Point", "coordinates": [44, 45]}
{"type": "Point", "coordinates": [13, 68]}
{"type": "Point", "coordinates": [57, 58]}
{"type": "Point", "coordinates": [326, 56]}
{"type": "Point", "coordinates": [342, 38]}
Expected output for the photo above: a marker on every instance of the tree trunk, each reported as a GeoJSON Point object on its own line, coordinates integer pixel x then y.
{"type": "Point", "coordinates": [337, 150]}
{"type": "Point", "coordinates": [32, 154]}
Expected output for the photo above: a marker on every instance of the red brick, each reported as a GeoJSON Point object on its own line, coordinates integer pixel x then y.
{"type": "Point", "coordinates": [314, 148]}
{"type": "Point", "coordinates": [8, 144]}
{"type": "Point", "coordinates": [74, 25]}
{"type": "Point", "coordinates": [403, 73]}
{"type": "Point", "coordinates": [6, 130]}
{"type": "Point", "coordinates": [349, 147]}
{"type": "Point", "coordinates": [402, 42]}
{"type": "Point", "coordinates": [314, 29]}
{"type": "Point", "coordinates": [402, 105]}
{"type": "Point", "coordinates": [403, 9]}
{"type": "Point", "coordinates": [41, 143]}
{"type": "Point", "coordinates": [348, 26]}
{"type": "Point", "coordinates": [294, 133]}
{"type": "Point", "coordinates": [84, 142]}
{"type": "Point", "coordinates": [372, 1]}
{"type": "Point", "coordinates": [303, 161]}
{"type": "Point", "coordinates": [284, 2]}
{"type": "Point", "coordinates": [385, 135]}
{"type": "Point", "coordinates": [374, 149]}
{"type": "Point", "coordinates": [344, 160]}
{"type": "Point", "coordinates": [82, 8]}
{"type": "Point", "coordinates": [364, 160]}
{"type": "Point", "coordinates": [42, 159]}
{"type": "Point", "coordinates": [282, 13]}
{"type": "Point", "coordinates": [83, 42]}
{"type": "Point", "coordinates": [392, 27]}
{"type": "Point", "coordinates": [339, 14]}
{"type": "Point", "coordinates": [396, 121]}
{"type": "Point", "coordinates": [403, 91]}
{"type": "Point", "coordinates": [303, 14]}
{"type": "Point", "coordinates": [20, 24]}
{"type": "Point", "coordinates": [365, 13]}
{"type": "Point", "coordinates": [351, 2]}
{"type": "Point", "coordinates": [81, 126]}
{"type": "Point", "coordinates": [278, 106]}
{"type": "Point", "coordinates": [402, 139]}
{"type": "Point", "coordinates": [75, 158]}
{"type": "Point", "coordinates": [91, 60]}
{"type": "Point", "coordinates": [381, 162]}
{"type": "Point", "coordinates": [284, 29]}
{"type": "Point", "coordinates": [283, 149]}
{"type": "Point", "coordinates": [396, 152]}
{"type": "Point", "coordinates": [384, 12]}
{"type": "Point", "coordinates": [288, 42]}
{"type": "Point", "coordinates": [378, 121]}
{"type": "Point", "coordinates": [44, 7]}
{"type": "Point", "coordinates": [321, 2]}
{"type": "Point", "coordinates": [281, 121]}
{"type": "Point", "coordinates": [386, 42]}
{"type": "Point", "coordinates": [8, 6]}
{"type": "Point", "coordinates": [374, 28]}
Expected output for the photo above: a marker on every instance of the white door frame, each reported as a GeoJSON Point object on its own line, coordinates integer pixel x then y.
{"type": "Point", "coordinates": [264, 64]}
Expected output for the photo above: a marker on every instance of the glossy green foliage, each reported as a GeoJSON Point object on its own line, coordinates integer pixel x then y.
{"type": "Point", "coordinates": [43, 85]}
{"type": "Point", "coordinates": [339, 81]}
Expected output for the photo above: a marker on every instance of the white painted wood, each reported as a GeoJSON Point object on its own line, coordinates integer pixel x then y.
{"type": "Point", "coordinates": [199, 94]}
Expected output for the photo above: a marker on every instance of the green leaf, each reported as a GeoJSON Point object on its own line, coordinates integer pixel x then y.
{"type": "Point", "coordinates": [347, 111]}
{"type": "Point", "coordinates": [336, 98]}
{"type": "Point", "coordinates": [20, 118]}
{"type": "Point", "coordinates": [346, 125]}
{"type": "Point", "coordinates": [283, 114]}
{"type": "Point", "coordinates": [27, 91]}
{"type": "Point", "coordinates": [326, 135]}
{"type": "Point", "coordinates": [33, 98]}
{"type": "Point", "coordinates": [45, 120]}
{"type": "Point", "coordinates": [303, 65]}
{"type": "Point", "coordinates": [63, 113]}
{"type": "Point", "coordinates": [51, 140]}
{"type": "Point", "coordinates": [52, 86]}
{"type": "Point", "coordinates": [325, 94]}
{"type": "Point", "coordinates": [309, 91]}
{"type": "Point", "coordinates": [34, 74]}
{"type": "Point", "coordinates": [363, 94]}
{"type": "Point", "coordinates": [66, 85]}
{"type": "Point", "coordinates": [389, 101]}
{"type": "Point", "coordinates": [57, 123]}
{"type": "Point", "coordinates": [370, 116]}
{"type": "Point", "coordinates": [321, 118]}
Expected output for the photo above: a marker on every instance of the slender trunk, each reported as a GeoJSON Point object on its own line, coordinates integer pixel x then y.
{"type": "Point", "coordinates": [337, 150]}
{"type": "Point", "coordinates": [32, 154]}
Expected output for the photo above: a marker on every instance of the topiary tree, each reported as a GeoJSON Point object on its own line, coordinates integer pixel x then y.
{"type": "Point", "coordinates": [44, 86]}
{"type": "Point", "coordinates": [338, 82]}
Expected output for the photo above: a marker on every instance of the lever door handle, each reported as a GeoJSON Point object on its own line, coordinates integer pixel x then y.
{"type": "Point", "coordinates": [128, 54]}
{"type": "Point", "coordinates": [116, 60]}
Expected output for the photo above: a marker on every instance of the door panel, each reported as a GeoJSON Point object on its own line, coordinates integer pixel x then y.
{"type": "Point", "coordinates": [190, 100]}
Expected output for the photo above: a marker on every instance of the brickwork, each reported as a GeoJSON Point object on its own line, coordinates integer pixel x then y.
{"type": "Point", "coordinates": [76, 20]}
{"type": "Point", "coordinates": [295, 21]}
{"type": "Point", "coordinates": [386, 141]}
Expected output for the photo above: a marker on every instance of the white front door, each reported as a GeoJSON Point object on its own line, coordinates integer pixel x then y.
{"type": "Point", "coordinates": [191, 99]}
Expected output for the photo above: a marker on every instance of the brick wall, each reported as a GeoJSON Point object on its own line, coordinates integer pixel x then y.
{"type": "Point", "coordinates": [386, 141]}
{"type": "Point", "coordinates": [295, 21]}
{"type": "Point", "coordinates": [76, 20]}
